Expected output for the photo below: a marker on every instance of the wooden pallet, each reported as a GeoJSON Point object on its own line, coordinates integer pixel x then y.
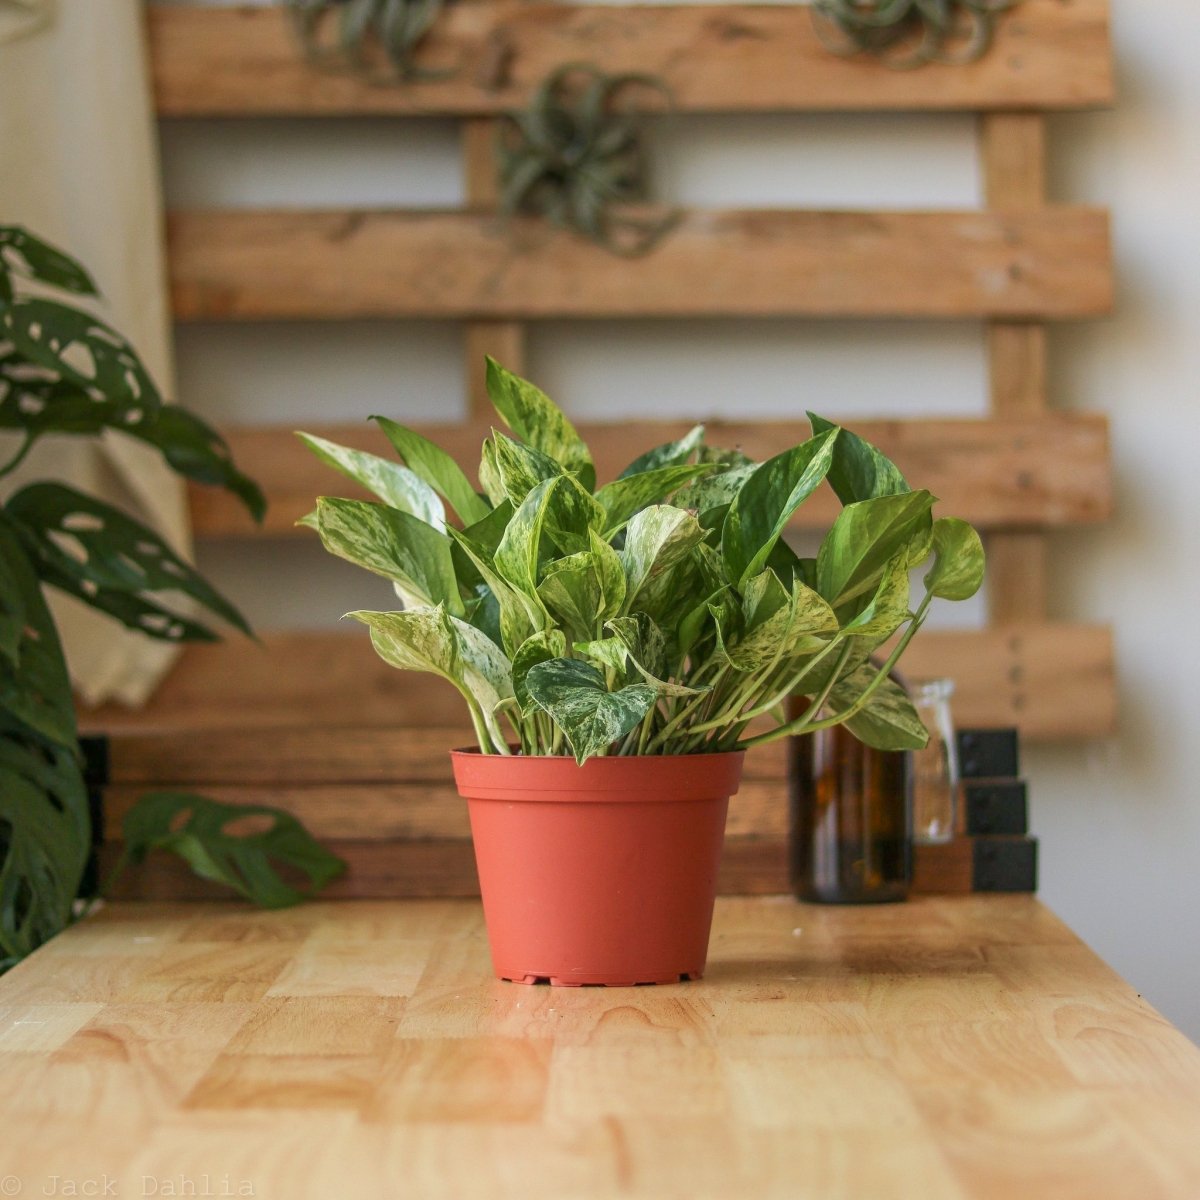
{"type": "Point", "coordinates": [315, 722]}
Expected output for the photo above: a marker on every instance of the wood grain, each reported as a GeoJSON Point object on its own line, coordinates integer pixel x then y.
{"type": "Point", "coordinates": [1049, 680]}
{"type": "Point", "coordinates": [255, 265]}
{"type": "Point", "coordinates": [722, 58]}
{"type": "Point", "coordinates": [1004, 473]}
{"type": "Point", "coordinates": [949, 1049]}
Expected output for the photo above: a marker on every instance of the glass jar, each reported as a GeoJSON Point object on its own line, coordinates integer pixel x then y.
{"type": "Point", "coordinates": [850, 814]}
{"type": "Point", "coordinates": [935, 769]}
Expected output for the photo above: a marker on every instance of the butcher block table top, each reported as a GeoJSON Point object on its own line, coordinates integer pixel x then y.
{"type": "Point", "coordinates": [955, 1048]}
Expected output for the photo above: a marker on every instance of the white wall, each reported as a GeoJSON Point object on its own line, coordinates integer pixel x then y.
{"type": "Point", "coordinates": [1120, 834]}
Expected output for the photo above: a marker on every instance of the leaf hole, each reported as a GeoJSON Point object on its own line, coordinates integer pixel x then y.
{"type": "Point", "coordinates": [82, 522]}
{"type": "Point", "coordinates": [181, 820]}
{"type": "Point", "coordinates": [250, 825]}
{"type": "Point", "coordinates": [155, 622]}
{"type": "Point", "coordinates": [80, 359]}
{"type": "Point", "coordinates": [71, 546]}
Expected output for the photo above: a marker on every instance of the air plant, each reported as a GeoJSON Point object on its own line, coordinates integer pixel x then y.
{"type": "Point", "coordinates": [577, 156]}
{"type": "Point", "coordinates": [909, 33]}
{"type": "Point", "coordinates": [339, 35]}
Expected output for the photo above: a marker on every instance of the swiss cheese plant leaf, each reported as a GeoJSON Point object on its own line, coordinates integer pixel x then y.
{"type": "Point", "coordinates": [113, 562]}
{"type": "Point", "coordinates": [591, 717]}
{"type": "Point", "coordinates": [396, 486]}
{"type": "Point", "coordinates": [537, 420]}
{"type": "Point", "coordinates": [45, 837]}
{"type": "Point", "coordinates": [669, 454]}
{"type": "Point", "coordinates": [859, 471]}
{"type": "Point", "coordinates": [394, 544]}
{"type": "Point", "coordinates": [196, 451]}
{"type": "Point", "coordinates": [12, 603]}
{"type": "Point", "coordinates": [35, 690]}
{"type": "Point", "coordinates": [627, 495]}
{"type": "Point", "coordinates": [656, 539]}
{"type": "Point", "coordinates": [437, 468]}
{"type": "Point", "coordinates": [865, 538]}
{"type": "Point", "coordinates": [538, 648]}
{"type": "Point", "coordinates": [241, 846]}
{"type": "Point", "coordinates": [958, 566]}
{"type": "Point", "coordinates": [27, 255]}
{"type": "Point", "coordinates": [889, 721]}
{"type": "Point", "coordinates": [431, 640]}
{"type": "Point", "coordinates": [760, 511]}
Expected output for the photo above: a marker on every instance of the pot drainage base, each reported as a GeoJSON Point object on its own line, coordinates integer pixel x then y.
{"type": "Point", "coordinates": [557, 981]}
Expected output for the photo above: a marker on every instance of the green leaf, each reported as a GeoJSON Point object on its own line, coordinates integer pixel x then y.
{"type": "Point", "coordinates": [34, 686]}
{"type": "Point", "coordinates": [802, 624]}
{"type": "Point", "coordinates": [646, 646]}
{"type": "Point", "coordinates": [45, 837]}
{"type": "Point", "coordinates": [113, 563]}
{"type": "Point", "coordinates": [858, 471]}
{"type": "Point", "coordinates": [583, 590]}
{"type": "Point", "coordinates": [669, 454]}
{"type": "Point", "coordinates": [631, 493]}
{"type": "Point", "coordinates": [539, 648]}
{"type": "Point", "coordinates": [535, 418]}
{"type": "Point", "coordinates": [656, 539]}
{"type": "Point", "coordinates": [957, 572]}
{"type": "Point", "coordinates": [864, 539]}
{"type": "Point", "coordinates": [519, 615]}
{"type": "Point", "coordinates": [431, 640]}
{"type": "Point", "coordinates": [607, 652]}
{"type": "Point", "coordinates": [395, 485]}
{"type": "Point", "coordinates": [27, 255]}
{"type": "Point", "coordinates": [196, 451]}
{"type": "Point", "coordinates": [437, 468]}
{"type": "Point", "coordinates": [888, 608]}
{"type": "Point", "coordinates": [889, 721]}
{"type": "Point", "coordinates": [205, 834]}
{"type": "Point", "coordinates": [519, 551]}
{"type": "Point", "coordinates": [761, 510]}
{"type": "Point", "coordinates": [520, 468]}
{"type": "Point", "coordinates": [576, 697]}
{"type": "Point", "coordinates": [714, 493]}
{"type": "Point", "coordinates": [400, 547]}
{"type": "Point", "coordinates": [12, 604]}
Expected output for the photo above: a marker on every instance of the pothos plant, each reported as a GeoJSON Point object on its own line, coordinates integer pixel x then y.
{"type": "Point", "coordinates": [662, 613]}
{"type": "Point", "coordinates": [65, 372]}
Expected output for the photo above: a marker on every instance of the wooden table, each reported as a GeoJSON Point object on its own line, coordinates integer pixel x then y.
{"type": "Point", "coordinates": [948, 1048]}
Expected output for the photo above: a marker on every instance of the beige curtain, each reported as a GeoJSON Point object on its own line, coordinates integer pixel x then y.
{"type": "Point", "coordinates": [78, 166]}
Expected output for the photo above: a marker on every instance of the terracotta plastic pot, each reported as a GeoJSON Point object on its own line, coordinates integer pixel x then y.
{"type": "Point", "coordinates": [600, 874]}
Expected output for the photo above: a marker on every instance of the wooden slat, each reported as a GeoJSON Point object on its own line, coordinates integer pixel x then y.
{"type": "Point", "coordinates": [998, 474]}
{"type": "Point", "coordinates": [249, 265]}
{"type": "Point", "coordinates": [425, 811]}
{"type": "Point", "coordinates": [1051, 681]}
{"type": "Point", "coordinates": [732, 58]}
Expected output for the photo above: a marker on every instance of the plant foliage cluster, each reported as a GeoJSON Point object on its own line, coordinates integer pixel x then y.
{"type": "Point", "coordinates": [661, 613]}
{"type": "Point", "coordinates": [65, 372]}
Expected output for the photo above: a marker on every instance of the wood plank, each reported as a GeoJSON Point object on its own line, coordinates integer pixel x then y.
{"type": "Point", "coordinates": [308, 755]}
{"type": "Point", "coordinates": [248, 265]}
{"type": "Point", "coordinates": [1006, 473]}
{"type": "Point", "coordinates": [502, 340]}
{"type": "Point", "coordinates": [1051, 681]}
{"type": "Point", "coordinates": [1013, 152]}
{"type": "Point", "coordinates": [723, 58]}
{"type": "Point", "coordinates": [419, 811]}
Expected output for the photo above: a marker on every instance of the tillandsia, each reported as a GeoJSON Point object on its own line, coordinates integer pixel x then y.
{"type": "Point", "coordinates": [577, 156]}
{"type": "Point", "coordinates": [63, 371]}
{"type": "Point", "coordinates": [910, 33]}
{"type": "Point", "coordinates": [661, 613]}
{"type": "Point", "coordinates": [352, 35]}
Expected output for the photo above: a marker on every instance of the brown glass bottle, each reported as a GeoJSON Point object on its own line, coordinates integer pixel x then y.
{"type": "Point", "coordinates": [850, 829]}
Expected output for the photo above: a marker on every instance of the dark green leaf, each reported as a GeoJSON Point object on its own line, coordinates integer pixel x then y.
{"type": "Point", "coordinates": [539, 648]}
{"type": "Point", "coordinates": [45, 837]}
{"type": "Point", "coordinates": [889, 721]}
{"type": "Point", "coordinates": [670, 454]}
{"type": "Point", "coordinates": [631, 493]}
{"type": "Point", "coordinates": [656, 539]}
{"type": "Point", "coordinates": [205, 834]}
{"type": "Point", "coordinates": [858, 471]}
{"type": "Point", "coordinates": [761, 510]}
{"type": "Point", "coordinates": [97, 553]}
{"type": "Point", "coordinates": [27, 255]}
